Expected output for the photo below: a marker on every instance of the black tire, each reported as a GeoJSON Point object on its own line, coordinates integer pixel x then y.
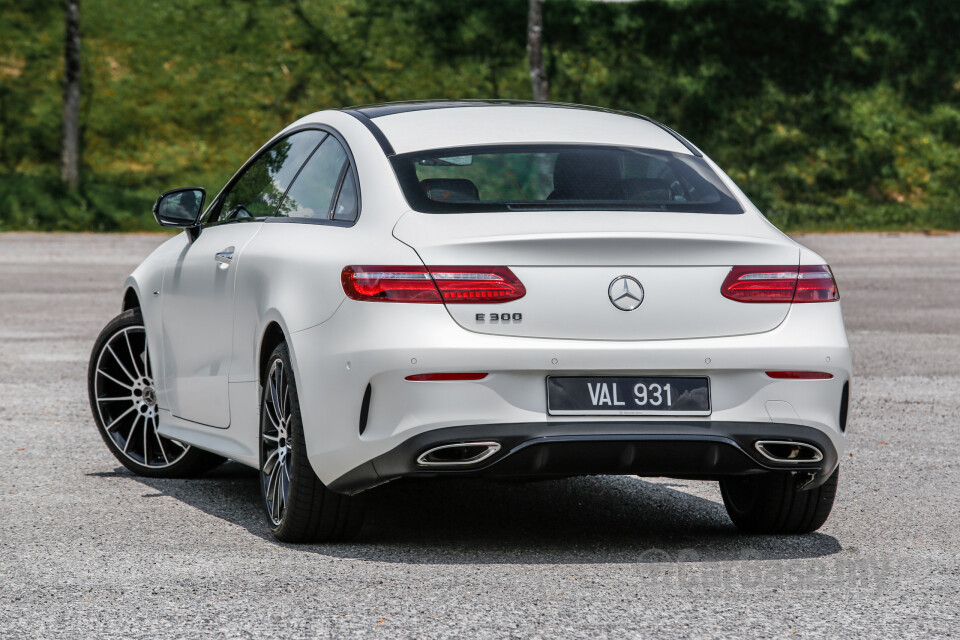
{"type": "Point", "coordinates": [772, 503]}
{"type": "Point", "coordinates": [299, 508]}
{"type": "Point", "coordinates": [123, 402]}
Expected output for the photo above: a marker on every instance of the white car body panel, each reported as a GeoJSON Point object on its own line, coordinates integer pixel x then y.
{"type": "Point", "coordinates": [514, 392]}
{"type": "Point", "coordinates": [567, 269]}
{"type": "Point", "coordinates": [418, 130]}
{"type": "Point", "coordinates": [207, 325]}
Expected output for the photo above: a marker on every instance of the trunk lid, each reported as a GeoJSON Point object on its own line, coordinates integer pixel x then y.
{"type": "Point", "coordinates": [568, 262]}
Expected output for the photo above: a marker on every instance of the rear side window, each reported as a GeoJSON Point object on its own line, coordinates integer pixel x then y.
{"type": "Point", "coordinates": [561, 177]}
{"type": "Point", "coordinates": [347, 205]}
{"type": "Point", "coordinates": [313, 194]}
{"type": "Point", "coordinates": [259, 189]}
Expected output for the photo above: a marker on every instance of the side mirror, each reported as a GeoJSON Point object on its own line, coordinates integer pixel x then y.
{"type": "Point", "coordinates": [180, 208]}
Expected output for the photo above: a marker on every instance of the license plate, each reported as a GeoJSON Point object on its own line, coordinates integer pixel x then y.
{"type": "Point", "coordinates": [628, 396]}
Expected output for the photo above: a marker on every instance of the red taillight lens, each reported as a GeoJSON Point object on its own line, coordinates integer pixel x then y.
{"type": "Point", "coordinates": [799, 375]}
{"type": "Point", "coordinates": [389, 284]}
{"type": "Point", "coordinates": [780, 284]}
{"type": "Point", "coordinates": [816, 284]}
{"type": "Point", "coordinates": [445, 377]}
{"type": "Point", "coordinates": [452, 285]}
{"type": "Point", "coordinates": [477, 284]}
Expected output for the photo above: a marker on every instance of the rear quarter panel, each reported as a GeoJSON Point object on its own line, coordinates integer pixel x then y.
{"type": "Point", "coordinates": [290, 274]}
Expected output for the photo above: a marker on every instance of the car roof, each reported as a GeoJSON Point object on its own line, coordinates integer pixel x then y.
{"type": "Point", "coordinates": [403, 127]}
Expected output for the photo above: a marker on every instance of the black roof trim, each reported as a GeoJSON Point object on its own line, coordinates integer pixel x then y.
{"type": "Point", "coordinates": [374, 129]}
{"type": "Point", "coordinates": [366, 113]}
{"type": "Point", "coordinates": [692, 148]}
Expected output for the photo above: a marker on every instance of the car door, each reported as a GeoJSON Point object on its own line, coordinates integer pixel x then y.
{"type": "Point", "coordinates": [198, 289]}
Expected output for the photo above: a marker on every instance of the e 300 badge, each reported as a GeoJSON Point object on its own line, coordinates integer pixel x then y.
{"type": "Point", "coordinates": [500, 317]}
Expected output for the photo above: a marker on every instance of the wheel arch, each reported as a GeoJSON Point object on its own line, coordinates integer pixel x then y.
{"type": "Point", "coordinates": [273, 335]}
{"type": "Point", "coordinates": [136, 284]}
{"type": "Point", "coordinates": [131, 299]}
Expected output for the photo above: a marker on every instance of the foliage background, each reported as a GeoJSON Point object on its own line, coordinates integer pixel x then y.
{"type": "Point", "coordinates": [830, 114]}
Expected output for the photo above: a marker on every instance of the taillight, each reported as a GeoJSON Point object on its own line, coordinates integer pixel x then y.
{"type": "Point", "coordinates": [477, 284]}
{"type": "Point", "coordinates": [389, 284]}
{"type": "Point", "coordinates": [451, 285]}
{"type": "Point", "coordinates": [816, 284]}
{"type": "Point", "coordinates": [780, 284]}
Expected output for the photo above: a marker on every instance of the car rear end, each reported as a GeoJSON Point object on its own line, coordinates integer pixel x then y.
{"type": "Point", "coordinates": [566, 335]}
{"type": "Point", "coordinates": [716, 358]}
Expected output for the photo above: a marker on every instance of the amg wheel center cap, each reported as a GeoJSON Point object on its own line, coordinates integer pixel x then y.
{"type": "Point", "coordinates": [150, 396]}
{"type": "Point", "coordinates": [626, 293]}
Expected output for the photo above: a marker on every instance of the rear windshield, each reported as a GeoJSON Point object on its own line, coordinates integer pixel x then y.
{"type": "Point", "coordinates": [562, 177]}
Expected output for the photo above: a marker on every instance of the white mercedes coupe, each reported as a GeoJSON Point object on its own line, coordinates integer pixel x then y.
{"type": "Point", "coordinates": [478, 288]}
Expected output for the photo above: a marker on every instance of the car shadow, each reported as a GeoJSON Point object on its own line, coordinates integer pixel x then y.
{"type": "Point", "coordinates": [585, 520]}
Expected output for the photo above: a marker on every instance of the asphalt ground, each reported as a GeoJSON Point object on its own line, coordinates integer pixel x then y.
{"type": "Point", "coordinates": [88, 550]}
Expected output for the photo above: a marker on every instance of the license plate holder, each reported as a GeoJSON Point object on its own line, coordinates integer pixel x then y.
{"type": "Point", "coordinates": [628, 395]}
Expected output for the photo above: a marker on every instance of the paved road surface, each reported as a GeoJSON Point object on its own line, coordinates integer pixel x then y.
{"type": "Point", "coordinates": [89, 551]}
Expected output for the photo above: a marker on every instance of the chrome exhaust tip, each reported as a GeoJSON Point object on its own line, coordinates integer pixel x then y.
{"type": "Point", "coordinates": [458, 455]}
{"type": "Point", "coordinates": [786, 451]}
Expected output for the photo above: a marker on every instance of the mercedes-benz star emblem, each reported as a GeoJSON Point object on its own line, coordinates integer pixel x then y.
{"type": "Point", "coordinates": [625, 293]}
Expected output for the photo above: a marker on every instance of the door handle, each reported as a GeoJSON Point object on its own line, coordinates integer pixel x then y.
{"type": "Point", "coordinates": [223, 258]}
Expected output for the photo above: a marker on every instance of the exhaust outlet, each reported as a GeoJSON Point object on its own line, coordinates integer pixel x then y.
{"type": "Point", "coordinates": [458, 455]}
{"type": "Point", "coordinates": [786, 451]}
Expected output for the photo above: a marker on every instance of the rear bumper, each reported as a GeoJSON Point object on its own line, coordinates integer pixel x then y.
{"type": "Point", "coordinates": [702, 450]}
{"type": "Point", "coordinates": [377, 345]}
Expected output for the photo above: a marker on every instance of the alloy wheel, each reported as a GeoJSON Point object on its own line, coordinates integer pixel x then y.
{"type": "Point", "coordinates": [126, 401]}
{"type": "Point", "coordinates": [276, 445]}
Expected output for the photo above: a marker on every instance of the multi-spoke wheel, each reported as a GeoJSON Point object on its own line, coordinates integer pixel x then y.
{"type": "Point", "coordinates": [124, 403]}
{"type": "Point", "coordinates": [298, 506]}
{"type": "Point", "coordinates": [276, 444]}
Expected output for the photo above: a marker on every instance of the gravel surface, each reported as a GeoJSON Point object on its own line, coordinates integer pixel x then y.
{"type": "Point", "coordinates": [88, 550]}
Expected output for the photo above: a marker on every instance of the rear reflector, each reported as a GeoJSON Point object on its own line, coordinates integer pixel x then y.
{"type": "Point", "coordinates": [800, 375]}
{"type": "Point", "coordinates": [450, 285]}
{"type": "Point", "coordinates": [780, 284]}
{"type": "Point", "coordinates": [443, 377]}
